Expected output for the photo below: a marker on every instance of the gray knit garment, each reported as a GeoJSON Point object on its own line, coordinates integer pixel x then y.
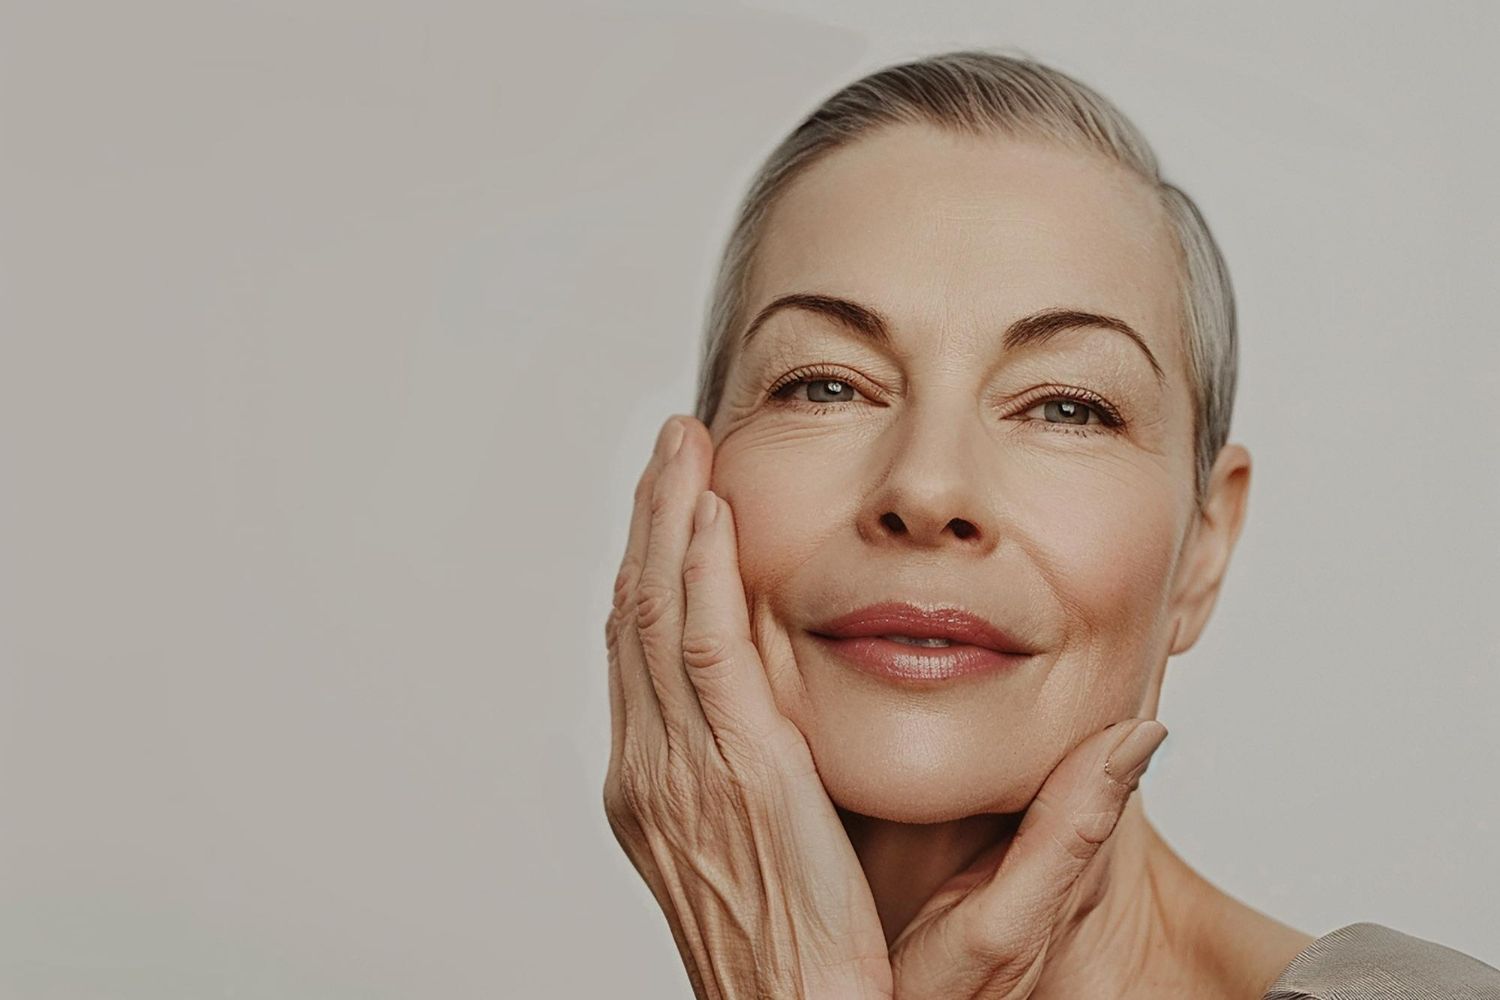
{"type": "Point", "coordinates": [1368, 961]}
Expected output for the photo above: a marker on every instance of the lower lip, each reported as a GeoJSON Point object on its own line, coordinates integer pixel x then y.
{"type": "Point", "coordinates": [899, 661]}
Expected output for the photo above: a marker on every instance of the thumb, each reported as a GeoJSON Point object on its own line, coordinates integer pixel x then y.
{"type": "Point", "coordinates": [1071, 817]}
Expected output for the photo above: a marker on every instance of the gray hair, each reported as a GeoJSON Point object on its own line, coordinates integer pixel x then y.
{"type": "Point", "coordinates": [984, 92]}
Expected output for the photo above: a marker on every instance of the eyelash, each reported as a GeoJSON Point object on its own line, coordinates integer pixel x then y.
{"type": "Point", "coordinates": [1110, 419]}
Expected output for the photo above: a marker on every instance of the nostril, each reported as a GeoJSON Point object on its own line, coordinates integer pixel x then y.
{"type": "Point", "coordinates": [891, 521]}
{"type": "Point", "coordinates": [963, 529]}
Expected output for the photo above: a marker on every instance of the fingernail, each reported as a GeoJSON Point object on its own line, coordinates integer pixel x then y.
{"type": "Point", "coordinates": [670, 439]}
{"type": "Point", "coordinates": [1128, 761]}
{"type": "Point", "coordinates": [708, 507]}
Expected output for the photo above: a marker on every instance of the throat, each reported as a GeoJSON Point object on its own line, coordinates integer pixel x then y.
{"type": "Point", "coordinates": [906, 863]}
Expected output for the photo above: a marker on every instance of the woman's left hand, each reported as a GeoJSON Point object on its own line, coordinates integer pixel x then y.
{"type": "Point", "coordinates": [984, 935]}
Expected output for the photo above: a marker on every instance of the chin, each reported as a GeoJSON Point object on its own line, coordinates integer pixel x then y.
{"type": "Point", "coordinates": [899, 783]}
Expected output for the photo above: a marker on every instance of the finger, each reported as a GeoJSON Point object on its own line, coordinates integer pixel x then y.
{"type": "Point", "coordinates": [660, 604]}
{"type": "Point", "coordinates": [616, 694]}
{"type": "Point", "coordinates": [718, 651]}
{"type": "Point", "coordinates": [1064, 827]}
{"type": "Point", "coordinates": [628, 675]}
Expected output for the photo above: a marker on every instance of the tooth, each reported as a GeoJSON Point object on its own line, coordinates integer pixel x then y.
{"type": "Point", "coordinates": [932, 642]}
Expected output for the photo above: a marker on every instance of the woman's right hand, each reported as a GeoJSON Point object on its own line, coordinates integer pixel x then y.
{"type": "Point", "coordinates": [711, 791]}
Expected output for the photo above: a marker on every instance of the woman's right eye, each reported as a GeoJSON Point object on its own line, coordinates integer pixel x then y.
{"type": "Point", "coordinates": [819, 390]}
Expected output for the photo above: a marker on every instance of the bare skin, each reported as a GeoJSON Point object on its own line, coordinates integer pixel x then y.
{"type": "Point", "coordinates": [968, 840]}
{"type": "Point", "coordinates": [1161, 929]}
{"type": "Point", "coordinates": [716, 799]}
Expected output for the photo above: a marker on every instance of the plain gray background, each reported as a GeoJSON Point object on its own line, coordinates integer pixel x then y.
{"type": "Point", "coordinates": [336, 334]}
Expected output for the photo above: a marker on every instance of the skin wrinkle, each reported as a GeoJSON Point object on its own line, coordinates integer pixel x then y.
{"type": "Point", "coordinates": [1083, 544]}
{"type": "Point", "coordinates": [1130, 937]}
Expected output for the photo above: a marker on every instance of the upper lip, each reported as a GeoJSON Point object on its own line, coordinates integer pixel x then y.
{"type": "Point", "coordinates": [906, 619]}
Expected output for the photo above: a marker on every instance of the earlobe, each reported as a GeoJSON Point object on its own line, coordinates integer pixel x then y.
{"type": "Point", "coordinates": [1210, 544]}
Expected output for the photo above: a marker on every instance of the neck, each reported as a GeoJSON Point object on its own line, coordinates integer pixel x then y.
{"type": "Point", "coordinates": [1146, 924]}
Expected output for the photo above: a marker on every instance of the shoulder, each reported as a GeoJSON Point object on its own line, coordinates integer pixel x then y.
{"type": "Point", "coordinates": [1367, 961]}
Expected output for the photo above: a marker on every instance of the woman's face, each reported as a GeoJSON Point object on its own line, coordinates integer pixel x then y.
{"type": "Point", "coordinates": [939, 473]}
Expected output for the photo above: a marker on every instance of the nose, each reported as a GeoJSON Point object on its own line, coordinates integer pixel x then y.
{"type": "Point", "coordinates": [936, 489]}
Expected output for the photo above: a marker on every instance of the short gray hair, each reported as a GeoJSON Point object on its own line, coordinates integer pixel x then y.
{"type": "Point", "coordinates": [984, 92]}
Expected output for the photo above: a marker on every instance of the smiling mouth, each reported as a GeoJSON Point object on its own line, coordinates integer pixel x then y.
{"type": "Point", "coordinates": [919, 662]}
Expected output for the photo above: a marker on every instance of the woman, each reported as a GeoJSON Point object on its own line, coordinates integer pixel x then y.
{"type": "Point", "coordinates": [889, 634]}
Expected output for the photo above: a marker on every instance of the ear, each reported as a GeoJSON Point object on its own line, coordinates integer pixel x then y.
{"type": "Point", "coordinates": [1210, 542]}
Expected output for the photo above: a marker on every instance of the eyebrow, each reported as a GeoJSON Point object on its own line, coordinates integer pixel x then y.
{"type": "Point", "coordinates": [1036, 328]}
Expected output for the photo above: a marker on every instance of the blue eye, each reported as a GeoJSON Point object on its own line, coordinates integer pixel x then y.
{"type": "Point", "coordinates": [1069, 411]}
{"type": "Point", "coordinates": [1066, 409]}
{"type": "Point", "coordinates": [819, 390]}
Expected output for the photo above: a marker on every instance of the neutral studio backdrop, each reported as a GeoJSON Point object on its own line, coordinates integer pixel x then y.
{"type": "Point", "coordinates": [335, 336]}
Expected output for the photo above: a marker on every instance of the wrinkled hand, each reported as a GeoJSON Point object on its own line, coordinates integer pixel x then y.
{"type": "Point", "coordinates": [984, 935]}
{"type": "Point", "coordinates": [711, 791]}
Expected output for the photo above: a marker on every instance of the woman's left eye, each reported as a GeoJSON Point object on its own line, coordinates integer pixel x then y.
{"type": "Point", "coordinates": [1065, 410]}
{"type": "Point", "coordinates": [1068, 412]}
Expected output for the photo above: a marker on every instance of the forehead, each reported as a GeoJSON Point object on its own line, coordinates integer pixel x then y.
{"type": "Point", "coordinates": [957, 233]}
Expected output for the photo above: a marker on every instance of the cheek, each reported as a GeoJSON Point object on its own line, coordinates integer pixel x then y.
{"type": "Point", "coordinates": [788, 497]}
{"type": "Point", "coordinates": [1109, 548]}
{"type": "Point", "coordinates": [791, 500]}
{"type": "Point", "coordinates": [1106, 552]}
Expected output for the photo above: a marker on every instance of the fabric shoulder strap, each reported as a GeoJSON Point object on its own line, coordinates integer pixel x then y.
{"type": "Point", "coordinates": [1367, 961]}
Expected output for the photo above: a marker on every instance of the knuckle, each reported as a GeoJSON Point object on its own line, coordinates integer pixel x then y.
{"type": "Point", "coordinates": [1070, 841]}
{"type": "Point", "coordinates": [632, 796]}
{"type": "Point", "coordinates": [653, 600]}
{"type": "Point", "coordinates": [1008, 957]}
{"type": "Point", "coordinates": [695, 568]}
{"type": "Point", "coordinates": [702, 650]}
{"type": "Point", "coordinates": [660, 500]}
{"type": "Point", "coordinates": [624, 825]}
{"type": "Point", "coordinates": [1049, 827]}
{"type": "Point", "coordinates": [621, 810]}
{"type": "Point", "coordinates": [630, 571]}
{"type": "Point", "coordinates": [614, 802]}
{"type": "Point", "coordinates": [622, 606]}
{"type": "Point", "coordinates": [1090, 829]}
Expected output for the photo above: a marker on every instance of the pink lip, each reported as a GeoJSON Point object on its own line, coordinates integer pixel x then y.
{"type": "Point", "coordinates": [978, 645]}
